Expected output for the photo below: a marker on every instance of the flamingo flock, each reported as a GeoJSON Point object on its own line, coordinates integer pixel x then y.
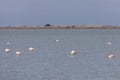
{"type": "Point", "coordinates": [18, 53]}
{"type": "Point", "coordinates": [72, 52]}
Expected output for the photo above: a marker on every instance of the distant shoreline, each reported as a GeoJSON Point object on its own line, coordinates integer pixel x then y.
{"type": "Point", "coordinates": [62, 27]}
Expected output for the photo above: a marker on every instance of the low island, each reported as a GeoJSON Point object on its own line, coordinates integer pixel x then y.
{"type": "Point", "coordinates": [62, 27]}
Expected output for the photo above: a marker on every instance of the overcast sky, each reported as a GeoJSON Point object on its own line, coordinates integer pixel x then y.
{"type": "Point", "coordinates": [59, 12]}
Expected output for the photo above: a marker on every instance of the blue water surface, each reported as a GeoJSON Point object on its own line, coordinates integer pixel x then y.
{"type": "Point", "coordinates": [52, 60]}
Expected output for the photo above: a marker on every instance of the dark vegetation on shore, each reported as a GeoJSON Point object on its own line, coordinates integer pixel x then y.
{"type": "Point", "coordinates": [48, 26]}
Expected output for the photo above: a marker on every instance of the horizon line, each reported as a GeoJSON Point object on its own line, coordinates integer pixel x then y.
{"type": "Point", "coordinates": [62, 27]}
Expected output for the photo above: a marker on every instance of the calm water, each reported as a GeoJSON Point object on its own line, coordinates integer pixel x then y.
{"type": "Point", "coordinates": [51, 60]}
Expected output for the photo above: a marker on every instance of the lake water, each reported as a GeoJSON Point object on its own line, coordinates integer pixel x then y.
{"type": "Point", "coordinates": [52, 60]}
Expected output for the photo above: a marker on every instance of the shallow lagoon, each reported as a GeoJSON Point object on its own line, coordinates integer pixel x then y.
{"type": "Point", "coordinates": [51, 60]}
